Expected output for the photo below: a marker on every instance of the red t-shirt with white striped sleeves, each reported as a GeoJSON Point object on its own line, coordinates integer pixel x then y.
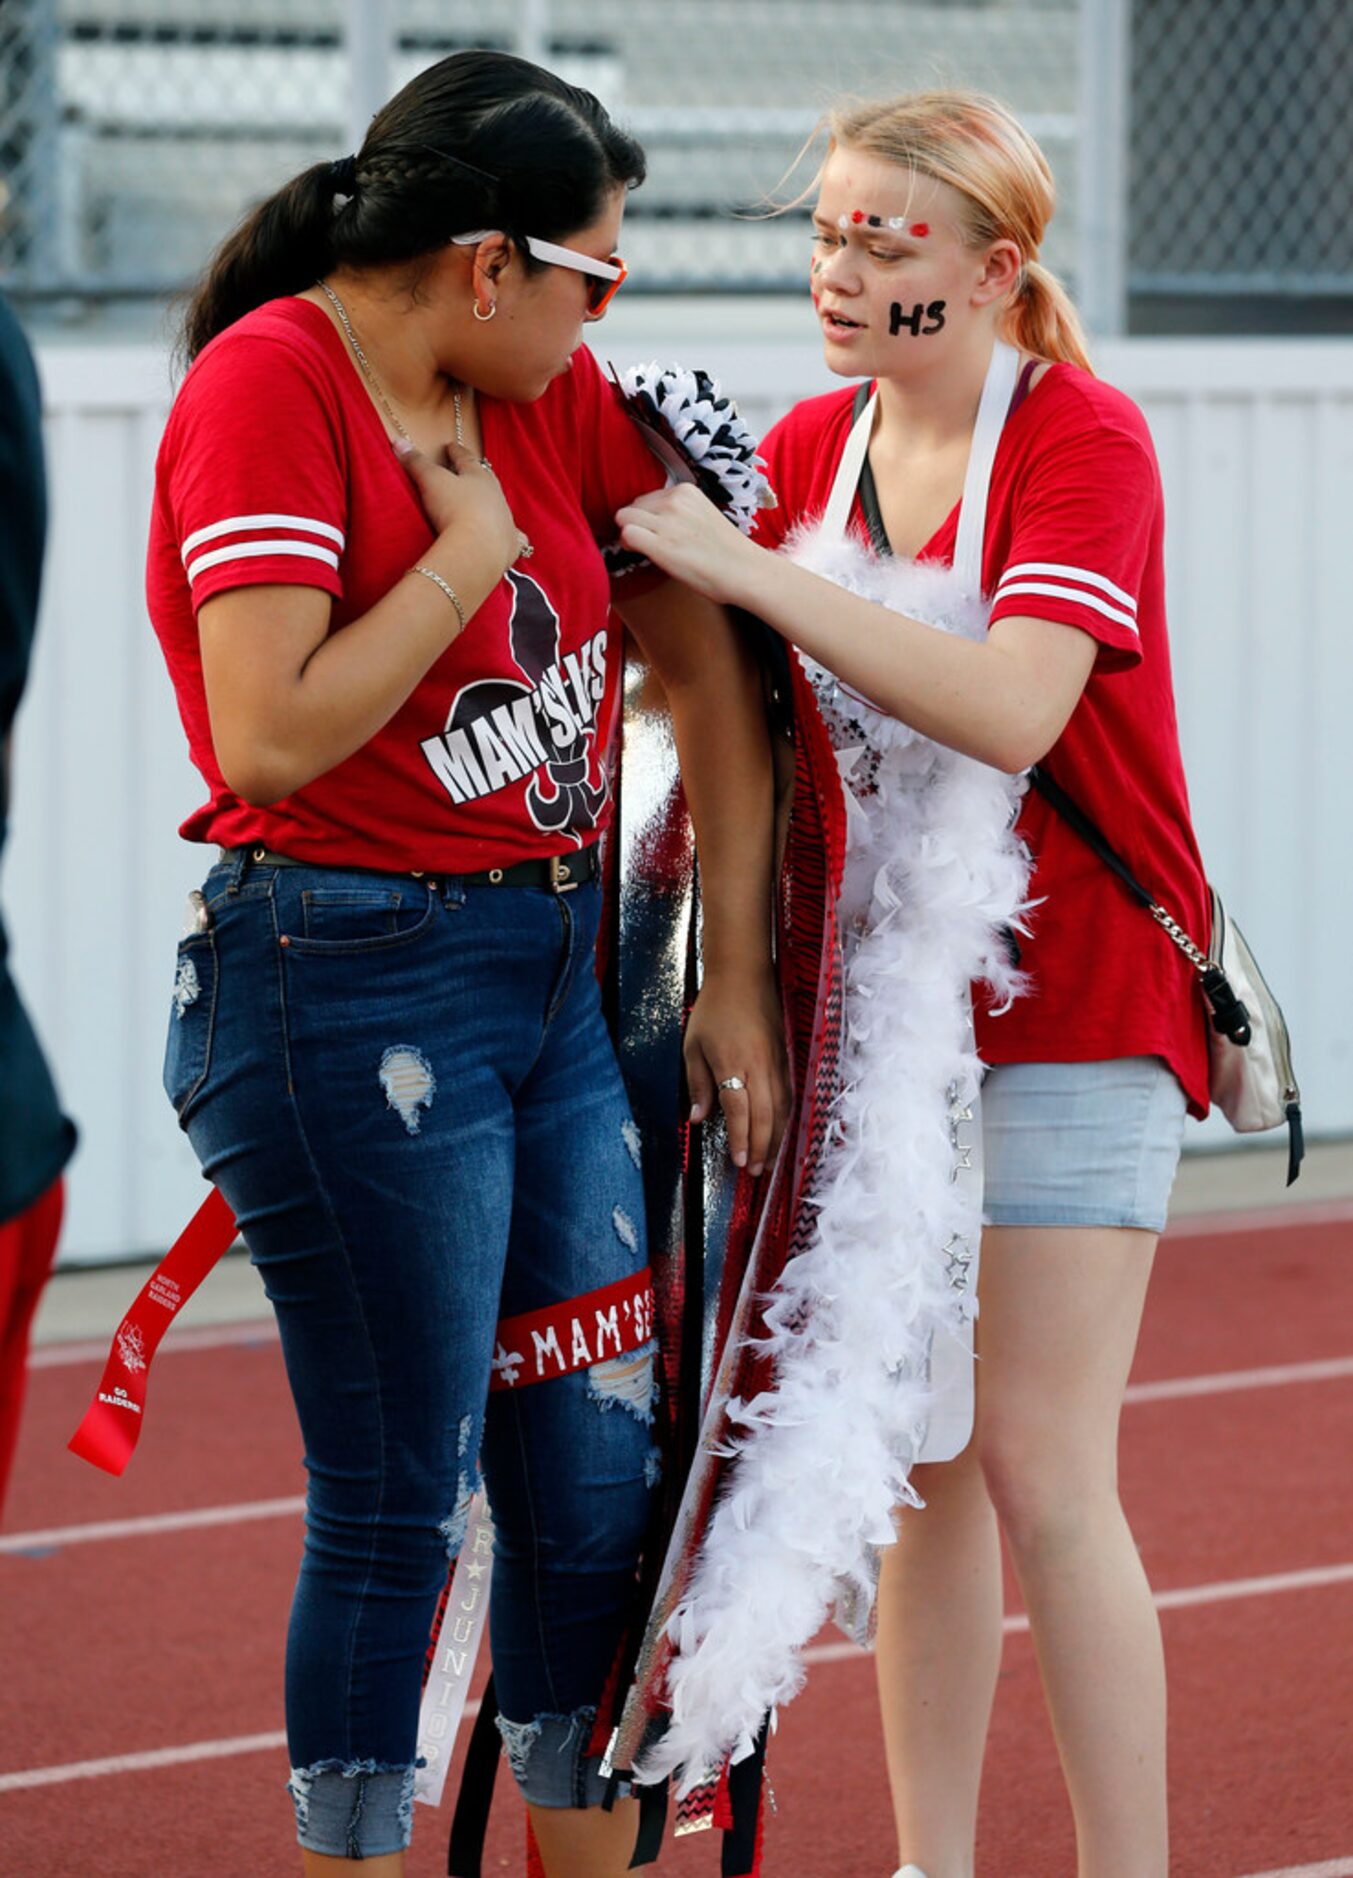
{"type": "Point", "coordinates": [1074, 533]}
{"type": "Point", "coordinates": [276, 469]}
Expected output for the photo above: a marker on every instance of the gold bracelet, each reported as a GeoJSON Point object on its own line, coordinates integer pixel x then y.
{"type": "Point", "coordinates": [446, 588]}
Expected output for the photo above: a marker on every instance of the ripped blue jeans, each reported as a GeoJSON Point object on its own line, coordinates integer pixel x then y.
{"type": "Point", "coordinates": [406, 1091]}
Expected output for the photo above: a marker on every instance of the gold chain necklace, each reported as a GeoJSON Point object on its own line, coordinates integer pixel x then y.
{"type": "Point", "coordinates": [369, 375]}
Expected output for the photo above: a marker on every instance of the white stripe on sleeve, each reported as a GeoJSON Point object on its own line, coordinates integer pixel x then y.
{"type": "Point", "coordinates": [1082, 574]}
{"type": "Point", "coordinates": [250, 550]}
{"type": "Point", "coordinates": [234, 524]}
{"type": "Point", "coordinates": [1077, 594]}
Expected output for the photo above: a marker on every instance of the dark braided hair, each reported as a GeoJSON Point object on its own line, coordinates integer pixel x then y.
{"type": "Point", "coordinates": [479, 140]}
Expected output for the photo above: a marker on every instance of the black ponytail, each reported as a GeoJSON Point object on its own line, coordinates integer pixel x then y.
{"type": "Point", "coordinates": [286, 243]}
{"type": "Point", "coordinates": [479, 140]}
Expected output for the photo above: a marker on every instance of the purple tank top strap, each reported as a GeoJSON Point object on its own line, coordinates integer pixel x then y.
{"type": "Point", "coordinates": [1022, 388]}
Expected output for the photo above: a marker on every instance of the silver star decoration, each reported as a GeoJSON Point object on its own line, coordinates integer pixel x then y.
{"type": "Point", "coordinates": [956, 1261]}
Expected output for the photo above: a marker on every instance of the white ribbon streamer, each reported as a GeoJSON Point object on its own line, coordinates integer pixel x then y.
{"type": "Point", "coordinates": [462, 1631]}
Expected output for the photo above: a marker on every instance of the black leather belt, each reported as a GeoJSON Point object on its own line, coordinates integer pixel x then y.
{"type": "Point", "coordinates": [557, 873]}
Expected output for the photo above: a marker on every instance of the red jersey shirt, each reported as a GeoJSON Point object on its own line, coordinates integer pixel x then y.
{"type": "Point", "coordinates": [1074, 533]}
{"type": "Point", "coordinates": [275, 467]}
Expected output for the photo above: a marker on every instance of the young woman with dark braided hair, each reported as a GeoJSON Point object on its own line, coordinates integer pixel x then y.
{"type": "Point", "coordinates": [376, 574]}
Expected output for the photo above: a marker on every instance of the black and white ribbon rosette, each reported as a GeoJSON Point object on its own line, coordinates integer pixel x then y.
{"type": "Point", "coordinates": [696, 434]}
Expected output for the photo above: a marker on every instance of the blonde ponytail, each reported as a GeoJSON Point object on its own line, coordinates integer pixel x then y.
{"type": "Point", "coordinates": [1043, 319]}
{"type": "Point", "coordinates": [979, 148]}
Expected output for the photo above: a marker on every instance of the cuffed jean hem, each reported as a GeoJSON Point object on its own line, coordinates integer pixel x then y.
{"type": "Point", "coordinates": [352, 1809]}
{"type": "Point", "coordinates": [550, 1762]}
{"type": "Point", "coordinates": [1082, 1216]}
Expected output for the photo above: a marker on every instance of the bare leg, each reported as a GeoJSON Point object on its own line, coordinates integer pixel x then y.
{"type": "Point", "coordinates": [1060, 1311]}
{"type": "Point", "coordinates": [578, 1842]}
{"type": "Point", "coordinates": [938, 1653]}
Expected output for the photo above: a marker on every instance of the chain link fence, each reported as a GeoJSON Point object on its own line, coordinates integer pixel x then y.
{"type": "Point", "coordinates": [1242, 148]}
{"type": "Point", "coordinates": [134, 132]}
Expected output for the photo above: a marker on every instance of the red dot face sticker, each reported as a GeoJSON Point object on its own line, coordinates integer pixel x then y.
{"type": "Point", "coordinates": [857, 215]}
{"type": "Point", "coordinates": [920, 229]}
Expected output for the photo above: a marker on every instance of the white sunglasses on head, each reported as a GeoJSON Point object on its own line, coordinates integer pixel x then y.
{"type": "Point", "coordinates": [599, 298]}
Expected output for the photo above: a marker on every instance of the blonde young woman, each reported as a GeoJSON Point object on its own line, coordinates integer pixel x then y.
{"type": "Point", "coordinates": [926, 281]}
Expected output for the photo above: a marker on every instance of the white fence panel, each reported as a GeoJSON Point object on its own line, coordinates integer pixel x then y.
{"type": "Point", "coordinates": [1256, 446]}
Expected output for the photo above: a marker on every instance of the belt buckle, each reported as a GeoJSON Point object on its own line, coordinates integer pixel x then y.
{"type": "Point", "coordinates": [561, 875]}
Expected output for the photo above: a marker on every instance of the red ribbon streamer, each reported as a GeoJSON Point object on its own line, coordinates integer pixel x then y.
{"type": "Point", "coordinates": [108, 1435]}
{"type": "Point", "coordinates": [581, 1331]}
{"type": "Point", "coordinates": [563, 1337]}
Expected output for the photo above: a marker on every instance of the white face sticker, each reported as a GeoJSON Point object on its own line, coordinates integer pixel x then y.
{"type": "Point", "coordinates": [896, 224]}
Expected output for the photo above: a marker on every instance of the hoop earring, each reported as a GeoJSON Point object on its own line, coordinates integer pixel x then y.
{"type": "Point", "coordinates": [485, 317]}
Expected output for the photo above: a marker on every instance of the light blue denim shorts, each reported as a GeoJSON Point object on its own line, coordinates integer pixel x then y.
{"type": "Point", "coordinates": [1081, 1144]}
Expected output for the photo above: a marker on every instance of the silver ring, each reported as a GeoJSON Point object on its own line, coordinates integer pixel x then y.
{"type": "Point", "coordinates": [732, 1082]}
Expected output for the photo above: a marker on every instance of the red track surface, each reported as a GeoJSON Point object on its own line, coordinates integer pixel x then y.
{"type": "Point", "coordinates": [154, 1641]}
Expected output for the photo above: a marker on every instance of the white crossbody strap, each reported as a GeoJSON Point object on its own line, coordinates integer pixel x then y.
{"type": "Point", "coordinates": [837, 512]}
{"type": "Point", "coordinates": [995, 402]}
{"type": "Point", "coordinates": [997, 392]}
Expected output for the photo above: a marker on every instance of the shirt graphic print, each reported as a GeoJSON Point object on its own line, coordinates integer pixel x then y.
{"type": "Point", "coordinates": [499, 732]}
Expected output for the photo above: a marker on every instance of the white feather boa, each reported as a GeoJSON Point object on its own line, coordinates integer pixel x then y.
{"type": "Point", "coordinates": [822, 1459]}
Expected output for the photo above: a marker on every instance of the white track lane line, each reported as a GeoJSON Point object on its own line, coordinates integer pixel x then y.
{"type": "Point", "coordinates": [1174, 1388]}
{"type": "Point", "coordinates": [1330, 1369]}
{"type": "Point", "coordinates": [1314, 1579]}
{"type": "Point", "coordinates": [1295, 1217]}
{"type": "Point", "coordinates": [157, 1757]}
{"type": "Point", "coordinates": [185, 1521]}
{"type": "Point", "coordinates": [826, 1653]}
{"type": "Point", "coordinates": [1332, 1868]}
{"type": "Point", "coordinates": [264, 1331]}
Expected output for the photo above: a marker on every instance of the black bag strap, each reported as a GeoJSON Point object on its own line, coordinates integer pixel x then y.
{"type": "Point", "coordinates": [1074, 815]}
{"type": "Point", "coordinates": [1229, 1015]}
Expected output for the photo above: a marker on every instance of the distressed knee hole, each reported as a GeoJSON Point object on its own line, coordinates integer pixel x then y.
{"type": "Point", "coordinates": [625, 1229]}
{"type": "Point", "coordinates": [564, 1734]}
{"type": "Point", "coordinates": [631, 1380]}
{"type": "Point", "coordinates": [409, 1084]}
{"type": "Point", "coordinates": [629, 1134]}
{"type": "Point", "coordinates": [518, 1740]}
{"type": "Point", "coordinates": [454, 1526]}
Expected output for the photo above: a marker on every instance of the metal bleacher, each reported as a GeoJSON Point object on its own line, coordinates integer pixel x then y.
{"type": "Point", "coordinates": [176, 113]}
